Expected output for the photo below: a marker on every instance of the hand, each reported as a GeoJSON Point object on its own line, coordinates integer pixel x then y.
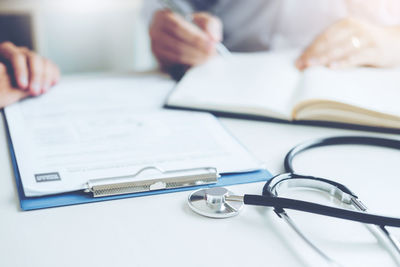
{"type": "Point", "coordinates": [177, 41]}
{"type": "Point", "coordinates": [8, 94]}
{"type": "Point", "coordinates": [353, 43]}
{"type": "Point", "coordinates": [31, 72]}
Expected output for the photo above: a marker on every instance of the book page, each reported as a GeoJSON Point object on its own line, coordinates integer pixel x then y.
{"type": "Point", "coordinates": [374, 90]}
{"type": "Point", "coordinates": [249, 83]}
{"type": "Point", "coordinates": [83, 130]}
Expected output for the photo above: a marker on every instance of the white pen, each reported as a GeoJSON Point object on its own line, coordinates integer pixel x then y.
{"type": "Point", "coordinates": [170, 4]}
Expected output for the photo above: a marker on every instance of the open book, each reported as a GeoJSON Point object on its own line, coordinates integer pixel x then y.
{"type": "Point", "coordinates": [268, 85]}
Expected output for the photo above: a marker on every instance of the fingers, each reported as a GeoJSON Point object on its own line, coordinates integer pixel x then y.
{"type": "Point", "coordinates": [327, 47]}
{"type": "Point", "coordinates": [55, 71]}
{"type": "Point", "coordinates": [8, 94]}
{"type": "Point", "coordinates": [176, 26]}
{"type": "Point", "coordinates": [209, 24]}
{"type": "Point", "coordinates": [174, 51]}
{"type": "Point", "coordinates": [185, 31]}
{"type": "Point", "coordinates": [327, 56]}
{"type": "Point", "coordinates": [324, 49]}
{"type": "Point", "coordinates": [18, 61]}
{"type": "Point", "coordinates": [176, 41]}
{"type": "Point", "coordinates": [36, 73]}
{"type": "Point", "coordinates": [336, 45]}
{"type": "Point", "coordinates": [47, 78]}
{"type": "Point", "coordinates": [362, 58]}
{"type": "Point", "coordinates": [32, 72]}
{"type": "Point", "coordinates": [43, 74]}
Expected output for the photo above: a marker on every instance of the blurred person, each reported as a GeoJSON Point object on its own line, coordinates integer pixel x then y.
{"type": "Point", "coordinates": [24, 73]}
{"type": "Point", "coordinates": [334, 33]}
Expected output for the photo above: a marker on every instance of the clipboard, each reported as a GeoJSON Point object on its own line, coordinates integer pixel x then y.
{"type": "Point", "coordinates": [93, 194]}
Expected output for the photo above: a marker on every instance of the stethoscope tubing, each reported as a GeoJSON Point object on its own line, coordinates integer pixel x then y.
{"type": "Point", "coordinates": [339, 140]}
{"type": "Point", "coordinates": [280, 203]}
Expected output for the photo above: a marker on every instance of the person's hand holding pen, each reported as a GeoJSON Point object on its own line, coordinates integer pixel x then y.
{"type": "Point", "coordinates": [176, 41]}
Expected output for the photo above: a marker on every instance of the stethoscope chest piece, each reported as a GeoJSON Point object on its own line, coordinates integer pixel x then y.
{"type": "Point", "coordinates": [214, 203]}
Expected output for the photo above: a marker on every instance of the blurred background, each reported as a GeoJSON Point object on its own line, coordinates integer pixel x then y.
{"type": "Point", "coordinates": [80, 35]}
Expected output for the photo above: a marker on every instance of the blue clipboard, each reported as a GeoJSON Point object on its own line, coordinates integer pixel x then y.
{"type": "Point", "coordinates": [80, 197]}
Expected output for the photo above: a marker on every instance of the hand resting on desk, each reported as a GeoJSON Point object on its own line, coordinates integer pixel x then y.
{"type": "Point", "coordinates": [353, 43]}
{"type": "Point", "coordinates": [8, 93]}
{"type": "Point", "coordinates": [31, 72]}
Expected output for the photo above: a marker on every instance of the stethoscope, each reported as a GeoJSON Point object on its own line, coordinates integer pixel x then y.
{"type": "Point", "coordinates": [222, 203]}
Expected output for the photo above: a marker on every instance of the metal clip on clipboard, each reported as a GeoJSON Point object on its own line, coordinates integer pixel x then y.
{"type": "Point", "coordinates": [163, 180]}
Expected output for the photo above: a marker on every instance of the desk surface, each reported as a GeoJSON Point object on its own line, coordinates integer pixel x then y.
{"type": "Point", "coordinates": [161, 230]}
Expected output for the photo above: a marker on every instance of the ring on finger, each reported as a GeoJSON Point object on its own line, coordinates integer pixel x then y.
{"type": "Point", "coordinates": [355, 41]}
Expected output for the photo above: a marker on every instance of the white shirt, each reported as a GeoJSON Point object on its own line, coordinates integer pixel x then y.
{"type": "Point", "coordinates": [254, 25]}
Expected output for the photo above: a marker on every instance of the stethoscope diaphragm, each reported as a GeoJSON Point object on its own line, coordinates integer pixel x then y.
{"type": "Point", "coordinates": [214, 203]}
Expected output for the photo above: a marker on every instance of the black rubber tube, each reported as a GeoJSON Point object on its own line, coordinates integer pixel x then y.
{"type": "Point", "coordinates": [286, 203]}
{"type": "Point", "coordinates": [340, 140]}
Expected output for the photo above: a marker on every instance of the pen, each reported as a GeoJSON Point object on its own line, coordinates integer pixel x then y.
{"type": "Point", "coordinates": [170, 4]}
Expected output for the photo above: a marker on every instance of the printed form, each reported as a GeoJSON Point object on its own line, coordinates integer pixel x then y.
{"type": "Point", "coordinates": [84, 130]}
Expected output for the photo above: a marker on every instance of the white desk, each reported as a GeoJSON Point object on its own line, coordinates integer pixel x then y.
{"type": "Point", "coordinates": [161, 230]}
